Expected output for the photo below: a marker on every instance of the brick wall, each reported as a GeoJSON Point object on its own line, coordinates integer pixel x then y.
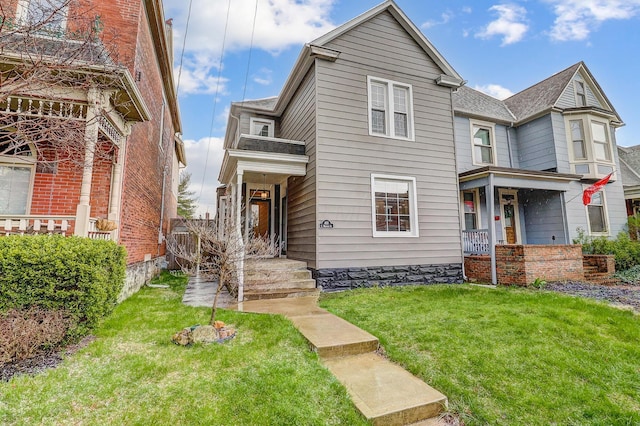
{"type": "Point", "coordinates": [477, 268]}
{"type": "Point", "coordinates": [523, 264]}
{"type": "Point", "coordinates": [602, 263]}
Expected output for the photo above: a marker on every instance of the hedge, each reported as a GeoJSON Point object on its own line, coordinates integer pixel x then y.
{"type": "Point", "coordinates": [81, 276]}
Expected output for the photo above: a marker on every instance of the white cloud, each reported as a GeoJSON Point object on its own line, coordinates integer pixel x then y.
{"type": "Point", "coordinates": [264, 77]}
{"type": "Point", "coordinates": [444, 18]}
{"type": "Point", "coordinates": [510, 25]}
{"type": "Point", "coordinates": [197, 159]}
{"type": "Point", "coordinates": [494, 90]}
{"type": "Point", "coordinates": [279, 24]}
{"type": "Point", "coordinates": [575, 19]}
{"type": "Point", "coordinates": [467, 9]}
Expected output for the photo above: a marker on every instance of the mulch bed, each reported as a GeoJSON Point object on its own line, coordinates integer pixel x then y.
{"type": "Point", "coordinates": [619, 295]}
{"type": "Point", "coordinates": [41, 362]}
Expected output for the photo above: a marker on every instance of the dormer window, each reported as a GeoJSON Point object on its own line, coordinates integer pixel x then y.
{"type": "Point", "coordinates": [262, 127]}
{"type": "Point", "coordinates": [581, 97]}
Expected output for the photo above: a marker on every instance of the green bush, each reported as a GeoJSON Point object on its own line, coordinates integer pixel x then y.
{"type": "Point", "coordinates": [625, 250]}
{"type": "Point", "coordinates": [81, 276]}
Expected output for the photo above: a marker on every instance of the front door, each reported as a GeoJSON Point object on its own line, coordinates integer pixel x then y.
{"type": "Point", "coordinates": [510, 216]}
{"type": "Point", "coordinates": [260, 217]}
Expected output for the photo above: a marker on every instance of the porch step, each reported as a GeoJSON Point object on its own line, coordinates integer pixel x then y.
{"type": "Point", "coordinates": [274, 264]}
{"type": "Point", "coordinates": [385, 393]}
{"type": "Point", "coordinates": [259, 285]}
{"type": "Point", "coordinates": [275, 274]}
{"type": "Point", "coordinates": [280, 293]}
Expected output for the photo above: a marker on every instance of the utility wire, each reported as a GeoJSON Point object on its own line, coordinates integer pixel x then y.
{"type": "Point", "coordinates": [253, 31]}
{"type": "Point", "coordinates": [215, 99]}
{"type": "Point", "coordinates": [184, 43]}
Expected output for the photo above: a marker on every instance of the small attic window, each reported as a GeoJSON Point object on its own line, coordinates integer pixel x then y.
{"type": "Point", "coordinates": [262, 127]}
{"type": "Point", "coordinates": [581, 97]}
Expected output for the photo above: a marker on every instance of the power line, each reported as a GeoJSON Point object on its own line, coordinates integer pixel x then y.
{"type": "Point", "coordinates": [184, 43]}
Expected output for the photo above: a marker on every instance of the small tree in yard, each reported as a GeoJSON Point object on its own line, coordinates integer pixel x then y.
{"type": "Point", "coordinates": [219, 253]}
{"type": "Point", "coordinates": [186, 203]}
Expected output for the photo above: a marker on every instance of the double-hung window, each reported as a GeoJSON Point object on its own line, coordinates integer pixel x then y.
{"type": "Point", "coordinates": [483, 143]}
{"type": "Point", "coordinates": [597, 214]}
{"type": "Point", "coordinates": [581, 97]}
{"type": "Point", "coordinates": [395, 212]}
{"type": "Point", "coordinates": [471, 211]}
{"type": "Point", "coordinates": [17, 167]}
{"type": "Point", "coordinates": [390, 109]}
{"type": "Point", "coordinates": [601, 149]}
{"type": "Point", "coordinates": [577, 139]}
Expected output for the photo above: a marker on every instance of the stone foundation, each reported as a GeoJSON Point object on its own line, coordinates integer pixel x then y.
{"type": "Point", "coordinates": [139, 274]}
{"type": "Point", "coordinates": [337, 279]}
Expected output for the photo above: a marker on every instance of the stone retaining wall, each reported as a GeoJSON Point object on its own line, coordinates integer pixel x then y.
{"type": "Point", "coordinates": [139, 274]}
{"type": "Point", "coordinates": [336, 279]}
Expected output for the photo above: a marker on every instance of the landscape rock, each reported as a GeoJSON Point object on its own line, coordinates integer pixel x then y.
{"type": "Point", "coordinates": [204, 334]}
{"type": "Point", "coordinates": [183, 337]}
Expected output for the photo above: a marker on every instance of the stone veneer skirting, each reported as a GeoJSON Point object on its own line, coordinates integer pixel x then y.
{"type": "Point", "coordinates": [337, 279]}
{"type": "Point", "coordinates": [139, 274]}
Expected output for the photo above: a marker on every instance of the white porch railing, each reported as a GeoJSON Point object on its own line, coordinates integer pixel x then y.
{"type": "Point", "coordinates": [476, 241]}
{"type": "Point", "coordinates": [46, 224]}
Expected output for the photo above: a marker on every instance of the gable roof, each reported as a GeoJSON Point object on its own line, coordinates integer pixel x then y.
{"type": "Point", "coordinates": [533, 101]}
{"type": "Point", "coordinates": [629, 165]}
{"type": "Point", "coordinates": [471, 102]}
{"type": "Point", "coordinates": [317, 49]}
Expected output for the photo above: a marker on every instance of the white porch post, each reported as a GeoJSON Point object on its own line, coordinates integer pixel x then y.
{"type": "Point", "coordinates": [240, 266]}
{"type": "Point", "coordinates": [492, 228]}
{"type": "Point", "coordinates": [83, 210]}
{"type": "Point", "coordinates": [115, 201]}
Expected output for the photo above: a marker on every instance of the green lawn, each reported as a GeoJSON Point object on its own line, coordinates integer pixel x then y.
{"type": "Point", "coordinates": [133, 375]}
{"type": "Point", "coordinates": [508, 356]}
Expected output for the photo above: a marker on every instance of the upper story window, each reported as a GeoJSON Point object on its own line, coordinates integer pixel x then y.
{"type": "Point", "coordinates": [262, 127]}
{"type": "Point", "coordinates": [581, 94]}
{"type": "Point", "coordinates": [395, 212]}
{"type": "Point", "coordinates": [390, 109]}
{"type": "Point", "coordinates": [590, 140]}
{"type": "Point", "coordinates": [47, 15]}
{"type": "Point", "coordinates": [483, 143]}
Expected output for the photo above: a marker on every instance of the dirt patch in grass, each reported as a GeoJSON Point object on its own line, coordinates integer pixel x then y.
{"type": "Point", "coordinates": [41, 362]}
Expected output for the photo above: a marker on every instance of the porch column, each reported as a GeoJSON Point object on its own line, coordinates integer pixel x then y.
{"type": "Point", "coordinates": [489, 197]}
{"type": "Point", "coordinates": [83, 210]}
{"type": "Point", "coordinates": [240, 262]}
{"type": "Point", "coordinates": [117, 180]}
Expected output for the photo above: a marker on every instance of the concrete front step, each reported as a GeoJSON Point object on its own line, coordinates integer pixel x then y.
{"type": "Point", "coordinates": [280, 285]}
{"type": "Point", "coordinates": [385, 393]}
{"type": "Point", "coordinates": [331, 336]}
{"type": "Point", "coordinates": [277, 263]}
{"type": "Point", "coordinates": [280, 293]}
{"type": "Point", "coordinates": [276, 275]}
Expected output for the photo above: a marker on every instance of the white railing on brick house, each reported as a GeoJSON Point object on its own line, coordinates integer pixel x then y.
{"type": "Point", "coordinates": [476, 241]}
{"type": "Point", "coordinates": [47, 224]}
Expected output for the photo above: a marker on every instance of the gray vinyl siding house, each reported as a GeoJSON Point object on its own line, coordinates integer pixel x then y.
{"type": "Point", "coordinates": [376, 165]}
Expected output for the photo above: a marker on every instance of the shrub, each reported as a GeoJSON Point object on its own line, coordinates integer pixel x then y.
{"type": "Point", "coordinates": [625, 250]}
{"type": "Point", "coordinates": [81, 276]}
{"type": "Point", "coordinates": [27, 332]}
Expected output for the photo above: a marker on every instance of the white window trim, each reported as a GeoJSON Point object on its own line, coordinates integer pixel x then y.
{"type": "Point", "coordinates": [492, 134]}
{"type": "Point", "coordinates": [270, 123]}
{"type": "Point", "coordinates": [413, 207]}
{"type": "Point", "coordinates": [606, 215]}
{"type": "Point", "coordinates": [516, 213]}
{"type": "Point", "coordinates": [589, 147]}
{"type": "Point", "coordinates": [390, 130]}
{"type": "Point", "coordinates": [576, 84]}
{"type": "Point", "coordinates": [476, 200]}
{"type": "Point", "coordinates": [27, 164]}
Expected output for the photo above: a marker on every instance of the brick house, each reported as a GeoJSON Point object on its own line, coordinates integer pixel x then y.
{"type": "Point", "coordinates": [129, 120]}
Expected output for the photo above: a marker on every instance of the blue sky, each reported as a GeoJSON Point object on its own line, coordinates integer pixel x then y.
{"type": "Point", "coordinates": [498, 47]}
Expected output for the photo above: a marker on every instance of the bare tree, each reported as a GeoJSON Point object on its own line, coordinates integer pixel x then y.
{"type": "Point", "coordinates": [53, 53]}
{"type": "Point", "coordinates": [219, 253]}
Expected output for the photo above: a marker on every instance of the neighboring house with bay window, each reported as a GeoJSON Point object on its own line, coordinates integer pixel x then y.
{"type": "Point", "coordinates": [122, 182]}
{"type": "Point", "coordinates": [376, 165]}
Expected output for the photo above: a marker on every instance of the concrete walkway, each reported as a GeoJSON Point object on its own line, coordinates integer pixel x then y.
{"type": "Point", "coordinates": [384, 393]}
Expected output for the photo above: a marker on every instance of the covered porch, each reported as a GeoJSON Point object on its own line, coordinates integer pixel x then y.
{"type": "Point", "coordinates": [256, 175]}
{"type": "Point", "coordinates": [503, 206]}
